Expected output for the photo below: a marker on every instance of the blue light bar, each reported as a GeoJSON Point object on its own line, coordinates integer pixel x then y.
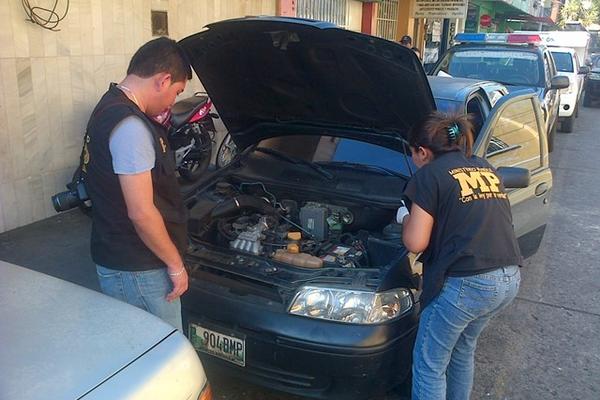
{"type": "Point", "coordinates": [470, 37]}
{"type": "Point", "coordinates": [481, 37]}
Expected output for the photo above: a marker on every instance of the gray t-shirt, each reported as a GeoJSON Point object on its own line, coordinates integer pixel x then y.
{"type": "Point", "coordinates": [132, 147]}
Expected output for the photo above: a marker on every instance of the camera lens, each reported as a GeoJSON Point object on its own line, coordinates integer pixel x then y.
{"type": "Point", "coordinates": [64, 201]}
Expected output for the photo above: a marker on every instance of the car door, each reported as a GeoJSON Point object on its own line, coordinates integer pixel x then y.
{"type": "Point", "coordinates": [514, 136]}
{"type": "Point", "coordinates": [552, 96]}
{"type": "Point", "coordinates": [580, 78]}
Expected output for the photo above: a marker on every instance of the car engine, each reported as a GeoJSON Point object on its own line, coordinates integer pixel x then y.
{"type": "Point", "coordinates": [251, 219]}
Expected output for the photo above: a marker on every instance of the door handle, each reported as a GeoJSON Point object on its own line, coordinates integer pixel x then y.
{"type": "Point", "coordinates": [541, 189]}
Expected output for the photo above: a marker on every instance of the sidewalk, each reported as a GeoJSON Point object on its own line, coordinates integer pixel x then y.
{"type": "Point", "coordinates": [57, 246]}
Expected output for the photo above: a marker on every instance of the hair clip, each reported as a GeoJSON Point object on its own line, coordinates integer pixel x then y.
{"type": "Point", "coordinates": [453, 132]}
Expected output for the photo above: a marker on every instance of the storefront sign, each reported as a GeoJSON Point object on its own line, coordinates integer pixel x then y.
{"type": "Point", "coordinates": [440, 9]}
{"type": "Point", "coordinates": [485, 20]}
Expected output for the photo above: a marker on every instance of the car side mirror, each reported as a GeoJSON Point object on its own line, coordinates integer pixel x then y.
{"type": "Point", "coordinates": [514, 177]}
{"type": "Point", "coordinates": [584, 70]}
{"type": "Point", "coordinates": [559, 82]}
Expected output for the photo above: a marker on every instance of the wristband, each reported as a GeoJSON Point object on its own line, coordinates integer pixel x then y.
{"type": "Point", "coordinates": [181, 271]}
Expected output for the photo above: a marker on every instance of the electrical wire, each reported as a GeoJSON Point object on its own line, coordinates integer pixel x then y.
{"type": "Point", "coordinates": [45, 17]}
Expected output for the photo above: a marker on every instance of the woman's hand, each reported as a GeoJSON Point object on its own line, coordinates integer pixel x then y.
{"type": "Point", "coordinates": [416, 229]}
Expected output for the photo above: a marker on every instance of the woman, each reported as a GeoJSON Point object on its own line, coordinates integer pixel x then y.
{"type": "Point", "coordinates": [460, 218]}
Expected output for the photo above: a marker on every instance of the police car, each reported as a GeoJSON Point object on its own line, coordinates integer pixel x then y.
{"type": "Point", "coordinates": [516, 60]}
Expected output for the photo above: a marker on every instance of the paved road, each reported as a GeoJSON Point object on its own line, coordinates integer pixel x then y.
{"type": "Point", "coordinates": [546, 345]}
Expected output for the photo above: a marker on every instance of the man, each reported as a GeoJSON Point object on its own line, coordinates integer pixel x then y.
{"type": "Point", "coordinates": [139, 232]}
{"type": "Point", "coordinates": [406, 41]}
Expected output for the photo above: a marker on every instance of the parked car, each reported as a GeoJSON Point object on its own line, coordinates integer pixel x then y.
{"type": "Point", "coordinates": [467, 96]}
{"type": "Point", "coordinates": [592, 84]}
{"type": "Point", "coordinates": [568, 64]}
{"type": "Point", "coordinates": [516, 60]}
{"type": "Point", "coordinates": [63, 341]}
{"type": "Point", "coordinates": [298, 277]}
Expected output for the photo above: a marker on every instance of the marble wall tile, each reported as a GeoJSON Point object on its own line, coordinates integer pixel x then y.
{"type": "Point", "coordinates": [97, 27]}
{"type": "Point", "coordinates": [6, 35]}
{"type": "Point", "coordinates": [86, 31]}
{"type": "Point", "coordinates": [30, 159]}
{"type": "Point", "coordinates": [19, 26]}
{"type": "Point", "coordinates": [24, 199]}
{"type": "Point", "coordinates": [5, 155]}
{"type": "Point", "coordinates": [50, 44]}
{"type": "Point", "coordinates": [55, 123]}
{"type": "Point", "coordinates": [8, 69]}
{"type": "Point", "coordinates": [9, 202]}
{"type": "Point", "coordinates": [43, 144]}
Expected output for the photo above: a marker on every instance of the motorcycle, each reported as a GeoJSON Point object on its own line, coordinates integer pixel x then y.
{"type": "Point", "coordinates": [191, 135]}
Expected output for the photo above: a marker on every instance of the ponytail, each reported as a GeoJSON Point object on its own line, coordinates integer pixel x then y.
{"type": "Point", "coordinates": [442, 133]}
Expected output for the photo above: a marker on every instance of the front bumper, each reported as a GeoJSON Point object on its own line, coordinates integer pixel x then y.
{"type": "Point", "coordinates": [303, 356]}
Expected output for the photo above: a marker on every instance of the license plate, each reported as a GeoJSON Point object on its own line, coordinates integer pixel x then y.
{"type": "Point", "coordinates": [226, 347]}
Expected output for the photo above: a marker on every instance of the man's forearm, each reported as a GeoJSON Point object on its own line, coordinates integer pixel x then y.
{"type": "Point", "coordinates": [151, 229]}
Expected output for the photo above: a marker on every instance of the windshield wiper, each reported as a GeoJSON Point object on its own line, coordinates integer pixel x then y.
{"type": "Point", "coordinates": [364, 167]}
{"type": "Point", "coordinates": [293, 160]}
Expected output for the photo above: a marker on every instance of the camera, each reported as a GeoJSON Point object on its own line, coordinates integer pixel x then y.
{"type": "Point", "coordinates": [74, 197]}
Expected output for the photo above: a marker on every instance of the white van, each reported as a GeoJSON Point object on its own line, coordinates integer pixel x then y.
{"type": "Point", "coordinates": [63, 341]}
{"type": "Point", "coordinates": [568, 64]}
{"type": "Point", "coordinates": [570, 49]}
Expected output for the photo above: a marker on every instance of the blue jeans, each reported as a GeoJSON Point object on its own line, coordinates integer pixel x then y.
{"type": "Point", "coordinates": [444, 352]}
{"type": "Point", "coordinates": [144, 289]}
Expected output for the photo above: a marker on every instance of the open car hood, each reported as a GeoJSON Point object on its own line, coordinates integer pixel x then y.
{"type": "Point", "coordinates": [273, 76]}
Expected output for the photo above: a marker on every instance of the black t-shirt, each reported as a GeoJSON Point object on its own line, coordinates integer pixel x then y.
{"type": "Point", "coordinates": [472, 231]}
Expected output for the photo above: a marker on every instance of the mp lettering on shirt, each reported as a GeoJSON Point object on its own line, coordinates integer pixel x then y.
{"type": "Point", "coordinates": [477, 184]}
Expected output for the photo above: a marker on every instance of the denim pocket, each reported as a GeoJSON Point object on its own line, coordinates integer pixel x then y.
{"type": "Point", "coordinates": [154, 283]}
{"type": "Point", "coordinates": [111, 282]}
{"type": "Point", "coordinates": [477, 296]}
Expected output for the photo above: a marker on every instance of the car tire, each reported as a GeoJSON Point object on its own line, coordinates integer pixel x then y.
{"type": "Point", "coordinates": [551, 135]}
{"type": "Point", "coordinates": [566, 124]}
{"type": "Point", "coordinates": [577, 109]}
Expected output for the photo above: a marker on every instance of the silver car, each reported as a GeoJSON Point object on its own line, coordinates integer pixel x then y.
{"type": "Point", "coordinates": [63, 341]}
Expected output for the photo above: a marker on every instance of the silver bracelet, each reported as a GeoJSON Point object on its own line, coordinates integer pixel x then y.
{"type": "Point", "coordinates": [181, 271]}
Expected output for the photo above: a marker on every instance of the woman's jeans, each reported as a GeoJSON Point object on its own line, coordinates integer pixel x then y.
{"type": "Point", "coordinates": [144, 289]}
{"type": "Point", "coordinates": [444, 353]}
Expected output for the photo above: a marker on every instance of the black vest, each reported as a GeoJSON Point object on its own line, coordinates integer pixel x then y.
{"type": "Point", "coordinates": [115, 242]}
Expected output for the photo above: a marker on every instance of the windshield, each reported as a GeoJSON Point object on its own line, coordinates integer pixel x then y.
{"type": "Point", "coordinates": [510, 67]}
{"type": "Point", "coordinates": [324, 149]}
{"type": "Point", "coordinates": [563, 61]}
{"type": "Point", "coordinates": [597, 62]}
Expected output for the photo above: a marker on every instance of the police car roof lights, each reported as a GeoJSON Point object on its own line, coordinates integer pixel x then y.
{"type": "Point", "coordinates": [510, 38]}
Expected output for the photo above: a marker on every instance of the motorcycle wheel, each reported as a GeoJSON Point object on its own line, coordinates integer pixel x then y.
{"type": "Point", "coordinates": [227, 151]}
{"type": "Point", "coordinates": [190, 171]}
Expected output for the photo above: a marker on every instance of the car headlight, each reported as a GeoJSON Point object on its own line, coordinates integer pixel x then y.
{"type": "Point", "coordinates": [595, 76]}
{"type": "Point", "coordinates": [351, 306]}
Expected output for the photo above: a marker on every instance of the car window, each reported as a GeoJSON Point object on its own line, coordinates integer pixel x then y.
{"type": "Point", "coordinates": [516, 140]}
{"type": "Point", "coordinates": [476, 112]}
{"type": "Point", "coordinates": [508, 66]}
{"type": "Point", "coordinates": [547, 71]}
{"type": "Point", "coordinates": [325, 149]}
{"type": "Point", "coordinates": [563, 61]}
